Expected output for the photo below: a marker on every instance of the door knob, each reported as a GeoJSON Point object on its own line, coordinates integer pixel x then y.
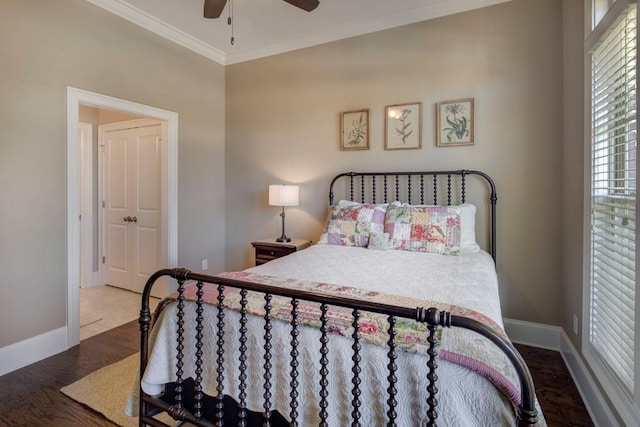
{"type": "Point", "coordinates": [134, 219]}
{"type": "Point", "coordinates": [127, 219]}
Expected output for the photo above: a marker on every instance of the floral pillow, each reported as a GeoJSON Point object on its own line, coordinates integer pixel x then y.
{"type": "Point", "coordinates": [434, 229]}
{"type": "Point", "coordinates": [350, 223]}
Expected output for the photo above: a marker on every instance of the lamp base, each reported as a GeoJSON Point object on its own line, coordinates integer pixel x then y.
{"type": "Point", "coordinates": [283, 238]}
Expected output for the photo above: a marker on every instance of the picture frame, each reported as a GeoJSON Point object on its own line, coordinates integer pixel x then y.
{"type": "Point", "coordinates": [354, 130]}
{"type": "Point", "coordinates": [403, 126]}
{"type": "Point", "coordinates": [455, 122]}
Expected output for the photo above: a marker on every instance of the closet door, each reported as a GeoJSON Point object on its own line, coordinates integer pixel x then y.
{"type": "Point", "coordinates": [132, 212]}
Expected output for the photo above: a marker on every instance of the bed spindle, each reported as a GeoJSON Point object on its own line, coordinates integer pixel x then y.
{"type": "Point", "coordinates": [463, 184]}
{"type": "Point", "coordinates": [293, 414]}
{"type": "Point", "coordinates": [220, 358]}
{"type": "Point", "coordinates": [324, 361]}
{"type": "Point", "coordinates": [351, 188]}
{"type": "Point", "coordinates": [362, 189]}
{"type": "Point", "coordinates": [434, 319]}
{"type": "Point", "coordinates": [421, 189]}
{"type": "Point", "coordinates": [397, 187]}
{"type": "Point", "coordinates": [385, 189]}
{"type": "Point", "coordinates": [392, 378]}
{"type": "Point", "coordinates": [355, 379]}
{"type": "Point", "coordinates": [266, 415]}
{"type": "Point", "coordinates": [242, 395]}
{"type": "Point", "coordinates": [409, 189]}
{"type": "Point", "coordinates": [435, 189]}
{"type": "Point", "coordinates": [432, 388]}
{"type": "Point", "coordinates": [197, 406]}
{"type": "Point", "coordinates": [448, 189]}
{"type": "Point", "coordinates": [180, 347]}
{"type": "Point", "coordinates": [373, 189]}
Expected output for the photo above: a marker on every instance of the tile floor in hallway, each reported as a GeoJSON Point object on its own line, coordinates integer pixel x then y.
{"type": "Point", "coordinates": [105, 307]}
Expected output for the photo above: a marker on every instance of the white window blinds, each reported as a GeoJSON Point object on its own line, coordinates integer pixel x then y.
{"type": "Point", "coordinates": [613, 198]}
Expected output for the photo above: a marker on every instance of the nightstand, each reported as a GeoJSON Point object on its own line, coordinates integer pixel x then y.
{"type": "Point", "coordinates": [268, 249]}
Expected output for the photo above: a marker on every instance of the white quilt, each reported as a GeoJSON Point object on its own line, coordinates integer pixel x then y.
{"type": "Point", "coordinates": [466, 280]}
{"type": "Point", "coordinates": [466, 398]}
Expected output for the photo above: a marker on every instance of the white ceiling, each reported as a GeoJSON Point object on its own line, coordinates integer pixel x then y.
{"type": "Point", "coordinates": [268, 27]}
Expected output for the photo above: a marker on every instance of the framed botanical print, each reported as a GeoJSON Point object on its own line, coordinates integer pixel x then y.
{"type": "Point", "coordinates": [402, 126]}
{"type": "Point", "coordinates": [354, 130]}
{"type": "Point", "coordinates": [454, 122]}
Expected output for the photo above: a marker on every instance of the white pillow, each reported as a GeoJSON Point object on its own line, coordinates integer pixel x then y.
{"type": "Point", "coordinates": [468, 242]}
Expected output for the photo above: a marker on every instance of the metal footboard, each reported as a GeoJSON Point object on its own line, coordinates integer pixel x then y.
{"type": "Point", "coordinates": [152, 405]}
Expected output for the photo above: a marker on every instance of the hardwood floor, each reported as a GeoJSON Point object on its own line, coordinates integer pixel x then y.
{"type": "Point", "coordinates": [557, 393]}
{"type": "Point", "coordinates": [31, 396]}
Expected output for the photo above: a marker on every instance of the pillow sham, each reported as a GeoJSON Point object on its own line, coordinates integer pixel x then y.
{"type": "Point", "coordinates": [468, 242]}
{"type": "Point", "coordinates": [434, 229]}
{"type": "Point", "coordinates": [350, 223]}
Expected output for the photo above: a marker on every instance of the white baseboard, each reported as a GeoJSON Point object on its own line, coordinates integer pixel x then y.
{"type": "Point", "coordinates": [555, 338]}
{"type": "Point", "coordinates": [534, 334]}
{"type": "Point", "coordinates": [23, 353]}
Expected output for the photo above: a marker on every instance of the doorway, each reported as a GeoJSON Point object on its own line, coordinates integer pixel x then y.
{"type": "Point", "coordinates": [168, 189]}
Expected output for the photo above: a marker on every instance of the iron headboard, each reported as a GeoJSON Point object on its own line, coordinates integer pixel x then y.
{"type": "Point", "coordinates": [416, 186]}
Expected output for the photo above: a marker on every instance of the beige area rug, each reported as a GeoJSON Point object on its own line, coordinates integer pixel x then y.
{"type": "Point", "coordinates": [106, 391]}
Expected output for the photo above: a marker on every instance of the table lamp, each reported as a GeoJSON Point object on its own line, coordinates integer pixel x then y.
{"type": "Point", "coordinates": [283, 195]}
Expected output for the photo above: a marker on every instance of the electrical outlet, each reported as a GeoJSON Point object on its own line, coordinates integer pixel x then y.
{"type": "Point", "coordinates": [575, 325]}
{"type": "Point", "coordinates": [205, 264]}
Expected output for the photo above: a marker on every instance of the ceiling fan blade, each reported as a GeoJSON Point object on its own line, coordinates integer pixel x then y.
{"type": "Point", "coordinates": [213, 8]}
{"type": "Point", "coordinates": [307, 5]}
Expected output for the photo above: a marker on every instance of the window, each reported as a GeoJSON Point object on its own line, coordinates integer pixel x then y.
{"type": "Point", "coordinates": [612, 337]}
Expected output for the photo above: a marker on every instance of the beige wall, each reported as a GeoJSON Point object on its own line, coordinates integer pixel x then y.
{"type": "Point", "coordinates": [46, 46]}
{"type": "Point", "coordinates": [283, 126]}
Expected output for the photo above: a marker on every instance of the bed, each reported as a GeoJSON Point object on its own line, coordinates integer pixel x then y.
{"type": "Point", "coordinates": [393, 318]}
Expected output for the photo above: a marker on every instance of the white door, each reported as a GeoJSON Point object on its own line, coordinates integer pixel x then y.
{"type": "Point", "coordinates": [132, 206]}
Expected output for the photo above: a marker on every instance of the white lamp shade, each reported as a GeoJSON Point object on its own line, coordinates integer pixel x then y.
{"type": "Point", "coordinates": [283, 195]}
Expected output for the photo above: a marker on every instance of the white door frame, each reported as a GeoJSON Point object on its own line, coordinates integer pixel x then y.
{"type": "Point", "coordinates": [87, 278]}
{"type": "Point", "coordinates": [76, 97]}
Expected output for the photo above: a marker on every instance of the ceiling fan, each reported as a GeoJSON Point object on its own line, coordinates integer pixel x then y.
{"type": "Point", "coordinates": [213, 8]}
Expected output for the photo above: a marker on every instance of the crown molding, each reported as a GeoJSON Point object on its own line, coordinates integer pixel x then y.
{"type": "Point", "coordinates": [161, 28]}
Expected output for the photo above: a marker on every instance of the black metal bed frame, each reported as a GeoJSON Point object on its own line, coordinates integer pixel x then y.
{"type": "Point", "coordinates": [435, 319]}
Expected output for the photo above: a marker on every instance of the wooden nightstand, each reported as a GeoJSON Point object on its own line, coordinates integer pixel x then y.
{"type": "Point", "coordinates": [268, 249]}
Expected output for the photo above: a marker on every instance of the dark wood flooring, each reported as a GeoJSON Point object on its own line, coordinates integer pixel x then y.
{"type": "Point", "coordinates": [557, 393]}
{"type": "Point", "coordinates": [31, 396]}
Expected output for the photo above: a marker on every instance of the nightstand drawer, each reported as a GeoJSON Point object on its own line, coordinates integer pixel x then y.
{"type": "Point", "coordinates": [270, 249]}
{"type": "Point", "coordinates": [267, 253]}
